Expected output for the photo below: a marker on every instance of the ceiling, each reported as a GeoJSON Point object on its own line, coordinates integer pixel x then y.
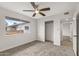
{"type": "Point", "coordinates": [55, 7]}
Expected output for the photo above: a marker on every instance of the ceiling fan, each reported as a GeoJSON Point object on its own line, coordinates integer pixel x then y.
{"type": "Point", "coordinates": [36, 10]}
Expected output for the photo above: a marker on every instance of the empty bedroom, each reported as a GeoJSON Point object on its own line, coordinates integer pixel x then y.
{"type": "Point", "coordinates": [39, 28]}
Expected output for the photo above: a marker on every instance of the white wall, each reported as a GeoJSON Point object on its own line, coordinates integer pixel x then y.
{"type": "Point", "coordinates": [10, 41]}
{"type": "Point", "coordinates": [56, 22]}
{"type": "Point", "coordinates": [41, 30]}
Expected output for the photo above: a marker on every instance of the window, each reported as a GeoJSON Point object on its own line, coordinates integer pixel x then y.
{"type": "Point", "coordinates": [14, 25]}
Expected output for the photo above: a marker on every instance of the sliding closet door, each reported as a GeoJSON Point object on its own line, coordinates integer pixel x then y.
{"type": "Point", "coordinates": [49, 31]}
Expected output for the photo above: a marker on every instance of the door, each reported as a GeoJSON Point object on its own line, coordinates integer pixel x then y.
{"type": "Point", "coordinates": [74, 37]}
{"type": "Point", "coordinates": [49, 31]}
{"type": "Point", "coordinates": [78, 34]}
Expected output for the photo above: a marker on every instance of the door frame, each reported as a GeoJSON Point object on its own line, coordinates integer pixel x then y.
{"type": "Point", "coordinates": [61, 26]}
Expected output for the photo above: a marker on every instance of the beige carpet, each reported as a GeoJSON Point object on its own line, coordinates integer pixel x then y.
{"type": "Point", "coordinates": [38, 48]}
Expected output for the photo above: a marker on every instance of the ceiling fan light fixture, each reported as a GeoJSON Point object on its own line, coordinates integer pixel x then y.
{"type": "Point", "coordinates": [36, 11]}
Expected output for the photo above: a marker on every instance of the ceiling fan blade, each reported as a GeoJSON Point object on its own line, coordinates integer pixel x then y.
{"type": "Point", "coordinates": [29, 10]}
{"type": "Point", "coordinates": [37, 6]}
{"type": "Point", "coordinates": [42, 14]}
{"type": "Point", "coordinates": [45, 9]}
{"type": "Point", "coordinates": [33, 4]}
{"type": "Point", "coordinates": [33, 14]}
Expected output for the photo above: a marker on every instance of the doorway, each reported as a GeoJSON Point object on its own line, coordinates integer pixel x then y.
{"type": "Point", "coordinates": [67, 34]}
{"type": "Point", "coordinates": [49, 31]}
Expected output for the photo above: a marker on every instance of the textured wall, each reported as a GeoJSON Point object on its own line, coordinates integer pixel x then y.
{"type": "Point", "coordinates": [10, 41]}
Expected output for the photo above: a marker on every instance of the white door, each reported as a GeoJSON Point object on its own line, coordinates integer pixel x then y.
{"type": "Point", "coordinates": [74, 38]}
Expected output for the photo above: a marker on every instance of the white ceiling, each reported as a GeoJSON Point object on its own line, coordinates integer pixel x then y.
{"type": "Point", "coordinates": [55, 7]}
